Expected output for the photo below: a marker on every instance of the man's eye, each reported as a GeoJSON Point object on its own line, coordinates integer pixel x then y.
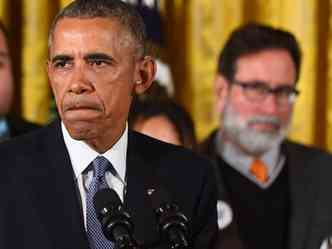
{"type": "Point", "coordinates": [259, 88]}
{"type": "Point", "coordinates": [285, 92]}
{"type": "Point", "coordinates": [98, 63]}
{"type": "Point", "coordinates": [60, 64]}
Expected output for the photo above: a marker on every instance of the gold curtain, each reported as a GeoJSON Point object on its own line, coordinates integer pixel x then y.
{"type": "Point", "coordinates": [28, 22]}
{"type": "Point", "coordinates": [4, 12]}
{"type": "Point", "coordinates": [35, 91]}
{"type": "Point", "coordinates": [196, 30]}
{"type": "Point", "coordinates": [328, 80]}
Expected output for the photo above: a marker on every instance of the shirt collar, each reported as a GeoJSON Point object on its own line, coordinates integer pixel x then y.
{"type": "Point", "coordinates": [81, 155]}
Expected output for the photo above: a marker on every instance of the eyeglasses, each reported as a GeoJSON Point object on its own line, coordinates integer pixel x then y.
{"type": "Point", "coordinates": [257, 91]}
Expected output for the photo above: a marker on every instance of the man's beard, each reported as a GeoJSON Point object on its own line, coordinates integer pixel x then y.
{"type": "Point", "coordinates": [250, 140]}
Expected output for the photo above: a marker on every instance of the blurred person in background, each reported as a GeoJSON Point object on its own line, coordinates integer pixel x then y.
{"type": "Point", "coordinates": [158, 116]}
{"type": "Point", "coordinates": [10, 124]}
{"type": "Point", "coordinates": [277, 191]}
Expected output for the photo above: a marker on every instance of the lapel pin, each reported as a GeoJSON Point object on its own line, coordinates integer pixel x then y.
{"type": "Point", "coordinates": [150, 191]}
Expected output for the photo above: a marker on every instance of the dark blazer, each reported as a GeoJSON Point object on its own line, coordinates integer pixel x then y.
{"type": "Point", "coordinates": [310, 174]}
{"type": "Point", "coordinates": [40, 207]}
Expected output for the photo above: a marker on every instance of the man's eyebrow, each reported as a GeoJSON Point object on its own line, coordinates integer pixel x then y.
{"type": "Point", "coordinates": [99, 56]}
{"type": "Point", "coordinates": [61, 57]}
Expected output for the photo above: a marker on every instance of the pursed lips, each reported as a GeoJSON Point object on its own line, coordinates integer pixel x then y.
{"type": "Point", "coordinates": [74, 104]}
{"type": "Point", "coordinates": [81, 107]}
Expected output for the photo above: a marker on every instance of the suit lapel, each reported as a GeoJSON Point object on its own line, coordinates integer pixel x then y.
{"type": "Point", "coordinates": [302, 194]}
{"type": "Point", "coordinates": [58, 200]}
{"type": "Point", "coordinates": [140, 179]}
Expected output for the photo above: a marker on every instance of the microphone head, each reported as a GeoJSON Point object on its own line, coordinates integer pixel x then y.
{"type": "Point", "coordinates": [105, 199]}
{"type": "Point", "coordinates": [115, 222]}
{"type": "Point", "coordinates": [172, 223]}
{"type": "Point", "coordinates": [165, 210]}
{"type": "Point", "coordinates": [159, 198]}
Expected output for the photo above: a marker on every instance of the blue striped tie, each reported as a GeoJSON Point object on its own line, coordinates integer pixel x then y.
{"type": "Point", "coordinates": [95, 234]}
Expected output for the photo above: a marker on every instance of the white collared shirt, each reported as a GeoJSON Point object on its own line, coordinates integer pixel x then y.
{"type": "Point", "coordinates": [241, 162]}
{"type": "Point", "coordinates": [81, 155]}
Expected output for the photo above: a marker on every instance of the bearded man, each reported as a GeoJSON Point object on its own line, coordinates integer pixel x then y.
{"type": "Point", "coordinates": [274, 187]}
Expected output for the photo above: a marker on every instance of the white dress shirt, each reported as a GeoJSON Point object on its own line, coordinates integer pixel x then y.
{"type": "Point", "coordinates": [81, 155]}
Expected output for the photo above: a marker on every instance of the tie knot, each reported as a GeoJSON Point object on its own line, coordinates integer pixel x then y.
{"type": "Point", "coordinates": [259, 170]}
{"type": "Point", "coordinates": [100, 165]}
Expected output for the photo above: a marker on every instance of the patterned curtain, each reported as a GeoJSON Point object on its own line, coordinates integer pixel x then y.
{"type": "Point", "coordinates": [195, 32]}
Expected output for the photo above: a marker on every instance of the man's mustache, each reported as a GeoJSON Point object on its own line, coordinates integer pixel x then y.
{"type": "Point", "coordinates": [274, 121]}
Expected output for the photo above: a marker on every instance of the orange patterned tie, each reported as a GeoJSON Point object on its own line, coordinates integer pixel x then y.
{"type": "Point", "coordinates": [259, 170]}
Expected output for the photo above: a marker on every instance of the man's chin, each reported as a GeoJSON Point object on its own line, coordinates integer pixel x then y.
{"type": "Point", "coordinates": [80, 130]}
{"type": "Point", "coordinates": [261, 142]}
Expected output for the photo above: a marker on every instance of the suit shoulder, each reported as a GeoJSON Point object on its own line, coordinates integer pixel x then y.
{"type": "Point", "coordinates": [156, 150]}
{"type": "Point", "coordinates": [143, 142]}
{"type": "Point", "coordinates": [309, 156]}
{"type": "Point", "coordinates": [23, 144]}
{"type": "Point", "coordinates": [207, 146]}
{"type": "Point", "coordinates": [308, 150]}
{"type": "Point", "coordinates": [19, 126]}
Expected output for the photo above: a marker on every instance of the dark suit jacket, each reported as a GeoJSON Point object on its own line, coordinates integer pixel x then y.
{"type": "Point", "coordinates": [310, 172]}
{"type": "Point", "coordinates": [40, 207]}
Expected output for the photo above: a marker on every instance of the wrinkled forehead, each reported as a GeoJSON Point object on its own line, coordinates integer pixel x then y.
{"type": "Point", "coordinates": [103, 33]}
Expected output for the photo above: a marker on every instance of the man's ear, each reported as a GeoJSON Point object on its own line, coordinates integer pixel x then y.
{"type": "Point", "coordinates": [145, 74]}
{"type": "Point", "coordinates": [49, 70]}
{"type": "Point", "coordinates": [221, 87]}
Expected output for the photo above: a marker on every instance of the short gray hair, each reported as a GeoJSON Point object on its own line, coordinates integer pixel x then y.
{"type": "Point", "coordinates": [126, 14]}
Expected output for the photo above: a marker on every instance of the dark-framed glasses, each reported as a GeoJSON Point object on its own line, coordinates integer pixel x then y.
{"type": "Point", "coordinates": [257, 91]}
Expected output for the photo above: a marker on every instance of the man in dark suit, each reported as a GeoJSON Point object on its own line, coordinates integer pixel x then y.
{"type": "Point", "coordinates": [10, 125]}
{"type": "Point", "coordinates": [274, 188]}
{"type": "Point", "coordinates": [97, 63]}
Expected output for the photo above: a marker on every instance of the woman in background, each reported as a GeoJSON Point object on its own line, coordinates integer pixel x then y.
{"type": "Point", "coordinates": [158, 116]}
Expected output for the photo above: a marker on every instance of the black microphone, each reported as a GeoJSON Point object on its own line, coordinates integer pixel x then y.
{"type": "Point", "coordinates": [115, 221]}
{"type": "Point", "coordinates": [172, 223]}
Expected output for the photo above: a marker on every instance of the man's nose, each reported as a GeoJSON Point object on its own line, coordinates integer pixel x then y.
{"type": "Point", "coordinates": [270, 104]}
{"type": "Point", "coordinates": [80, 82]}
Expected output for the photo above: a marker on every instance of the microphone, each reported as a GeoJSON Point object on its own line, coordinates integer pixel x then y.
{"type": "Point", "coordinates": [172, 223]}
{"type": "Point", "coordinates": [115, 221]}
